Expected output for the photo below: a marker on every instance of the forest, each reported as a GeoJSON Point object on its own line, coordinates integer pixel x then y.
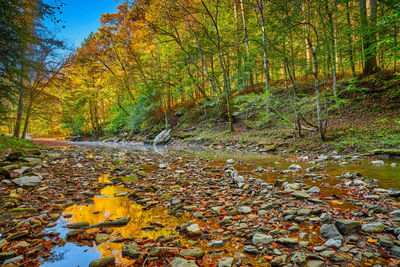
{"type": "Point", "coordinates": [254, 65]}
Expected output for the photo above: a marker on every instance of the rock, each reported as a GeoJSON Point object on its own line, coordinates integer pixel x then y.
{"type": "Point", "coordinates": [103, 262]}
{"type": "Point", "coordinates": [118, 222]}
{"type": "Point", "coordinates": [13, 260]}
{"type": "Point", "coordinates": [192, 252]}
{"type": "Point", "coordinates": [373, 227]}
{"type": "Point", "coordinates": [315, 263]}
{"type": "Point", "coordinates": [216, 244]}
{"type": "Point", "coordinates": [301, 194]}
{"type": "Point", "coordinates": [7, 255]}
{"type": "Point", "coordinates": [14, 156]}
{"type": "Point", "coordinates": [5, 173]}
{"type": "Point", "coordinates": [3, 242]}
{"type": "Point", "coordinates": [130, 250]}
{"type": "Point", "coordinates": [294, 167]}
{"type": "Point", "coordinates": [226, 220]}
{"type": "Point", "coordinates": [230, 161]}
{"type": "Point", "coordinates": [244, 209]}
{"type": "Point", "coordinates": [27, 181]}
{"type": "Point", "coordinates": [78, 225]}
{"type": "Point", "coordinates": [393, 164]}
{"type": "Point", "coordinates": [299, 257]}
{"type": "Point", "coordinates": [101, 238]}
{"type": "Point", "coordinates": [333, 243]}
{"type": "Point", "coordinates": [395, 251]}
{"type": "Point", "coordinates": [250, 249]}
{"type": "Point", "coordinates": [17, 235]}
{"type": "Point", "coordinates": [314, 190]}
{"type": "Point", "coordinates": [261, 239]}
{"type": "Point", "coordinates": [74, 233]}
{"type": "Point", "coordinates": [329, 231]}
{"type": "Point", "coordinates": [287, 241]}
{"type": "Point", "coordinates": [227, 262]}
{"type": "Point", "coordinates": [348, 226]}
{"type": "Point", "coordinates": [181, 262]}
{"type": "Point", "coordinates": [162, 138]}
{"type": "Point", "coordinates": [378, 162]}
{"type": "Point", "coordinates": [193, 229]}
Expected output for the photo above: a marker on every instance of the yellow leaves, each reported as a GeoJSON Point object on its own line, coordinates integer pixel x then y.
{"type": "Point", "coordinates": [371, 240]}
{"type": "Point", "coordinates": [337, 202]}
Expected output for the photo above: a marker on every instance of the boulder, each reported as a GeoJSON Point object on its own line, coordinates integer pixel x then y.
{"type": "Point", "coordinates": [130, 250]}
{"type": "Point", "coordinates": [348, 226]}
{"type": "Point", "coordinates": [103, 262]}
{"type": "Point", "coordinates": [162, 138]}
{"type": "Point", "coordinates": [227, 262]}
{"type": "Point", "coordinates": [192, 252]}
{"type": "Point", "coordinates": [27, 181]}
{"type": "Point", "coordinates": [261, 239]}
{"type": "Point", "coordinates": [5, 173]}
{"type": "Point", "coordinates": [181, 262]}
{"type": "Point", "coordinates": [374, 227]}
{"type": "Point", "coordinates": [14, 156]}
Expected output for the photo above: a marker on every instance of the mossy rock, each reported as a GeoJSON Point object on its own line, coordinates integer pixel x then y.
{"type": "Point", "coordinates": [5, 173]}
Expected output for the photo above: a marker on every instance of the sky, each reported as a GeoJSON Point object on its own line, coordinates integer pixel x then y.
{"type": "Point", "coordinates": [81, 17]}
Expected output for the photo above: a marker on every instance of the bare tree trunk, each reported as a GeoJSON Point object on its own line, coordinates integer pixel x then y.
{"type": "Point", "coordinates": [246, 38]}
{"type": "Point", "coordinates": [370, 63]}
{"type": "Point", "coordinates": [18, 119]}
{"type": "Point", "coordinates": [27, 118]}
{"type": "Point", "coordinates": [395, 45]}
{"type": "Point", "coordinates": [264, 44]}
{"type": "Point", "coordinates": [350, 40]}
{"type": "Point", "coordinates": [333, 45]}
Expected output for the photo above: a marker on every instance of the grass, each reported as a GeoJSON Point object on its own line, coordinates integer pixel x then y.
{"type": "Point", "coordinates": [12, 143]}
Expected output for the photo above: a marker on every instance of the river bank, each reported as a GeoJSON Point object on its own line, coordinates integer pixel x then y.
{"type": "Point", "coordinates": [197, 209]}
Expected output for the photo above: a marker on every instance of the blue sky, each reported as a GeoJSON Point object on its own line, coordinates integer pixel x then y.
{"type": "Point", "coordinates": [81, 17]}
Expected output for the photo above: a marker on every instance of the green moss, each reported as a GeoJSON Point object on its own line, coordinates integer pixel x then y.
{"type": "Point", "coordinates": [12, 143]}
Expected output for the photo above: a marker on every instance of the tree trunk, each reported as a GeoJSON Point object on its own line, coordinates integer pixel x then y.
{"type": "Point", "coordinates": [333, 46]}
{"type": "Point", "coordinates": [246, 38]}
{"type": "Point", "coordinates": [350, 40]}
{"type": "Point", "coordinates": [369, 38]}
{"type": "Point", "coordinates": [264, 44]}
{"type": "Point", "coordinates": [18, 119]}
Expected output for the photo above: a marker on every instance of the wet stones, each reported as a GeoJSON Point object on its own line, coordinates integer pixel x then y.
{"type": "Point", "coordinates": [287, 241]}
{"type": "Point", "coordinates": [301, 194]}
{"type": "Point", "coordinates": [251, 249]}
{"type": "Point", "coordinates": [103, 262]}
{"type": "Point", "coordinates": [192, 252]}
{"type": "Point", "coordinates": [118, 222]}
{"type": "Point", "coordinates": [74, 233]}
{"type": "Point", "coordinates": [226, 262]}
{"type": "Point", "coordinates": [27, 181]}
{"type": "Point", "coordinates": [348, 226]}
{"type": "Point", "coordinates": [101, 238]}
{"type": "Point", "coordinates": [329, 231]}
{"type": "Point", "coordinates": [78, 225]}
{"type": "Point", "coordinates": [261, 239]}
{"type": "Point", "coordinates": [130, 250]}
{"type": "Point", "coordinates": [17, 235]}
{"type": "Point", "coordinates": [374, 227]}
{"type": "Point", "coordinates": [193, 230]}
{"type": "Point", "coordinates": [181, 262]}
{"type": "Point", "coordinates": [244, 209]}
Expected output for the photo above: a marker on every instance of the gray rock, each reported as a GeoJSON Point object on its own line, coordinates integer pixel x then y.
{"type": "Point", "coordinates": [162, 138]}
{"type": "Point", "coordinates": [315, 263]}
{"type": "Point", "coordinates": [299, 257]}
{"type": "Point", "coordinates": [287, 241]}
{"type": "Point", "coordinates": [244, 209]}
{"type": "Point", "coordinates": [329, 231]}
{"type": "Point", "coordinates": [216, 244]}
{"type": "Point", "coordinates": [314, 189]}
{"type": "Point", "coordinates": [301, 194]}
{"type": "Point", "coordinates": [27, 181]}
{"type": "Point", "coordinates": [78, 225]}
{"type": "Point", "coordinates": [378, 162]}
{"type": "Point", "coordinates": [227, 262]}
{"type": "Point", "coordinates": [374, 227]}
{"type": "Point", "coordinates": [117, 222]}
{"type": "Point", "coordinates": [348, 226]}
{"type": "Point", "coordinates": [250, 249]}
{"type": "Point", "coordinates": [395, 251]}
{"type": "Point", "coordinates": [230, 161]}
{"type": "Point", "coordinates": [15, 259]}
{"type": "Point", "coordinates": [181, 262]}
{"type": "Point", "coordinates": [294, 167]}
{"type": "Point", "coordinates": [103, 262]}
{"type": "Point", "coordinates": [333, 243]}
{"type": "Point", "coordinates": [193, 229]}
{"type": "Point", "coordinates": [130, 250]}
{"type": "Point", "coordinates": [261, 239]}
{"type": "Point", "coordinates": [192, 252]}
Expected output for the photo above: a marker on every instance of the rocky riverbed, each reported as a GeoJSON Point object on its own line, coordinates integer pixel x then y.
{"type": "Point", "coordinates": [95, 207]}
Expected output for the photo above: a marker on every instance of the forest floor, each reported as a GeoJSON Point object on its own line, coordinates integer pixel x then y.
{"type": "Point", "coordinates": [88, 206]}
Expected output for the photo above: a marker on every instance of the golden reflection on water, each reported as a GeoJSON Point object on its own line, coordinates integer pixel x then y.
{"type": "Point", "coordinates": [108, 207]}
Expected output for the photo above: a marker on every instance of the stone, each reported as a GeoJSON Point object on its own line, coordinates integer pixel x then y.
{"type": "Point", "coordinates": [5, 173]}
{"type": "Point", "coordinates": [130, 250]}
{"type": "Point", "coordinates": [374, 227]}
{"type": "Point", "coordinates": [162, 138]}
{"type": "Point", "coordinates": [227, 262]}
{"type": "Point", "coordinates": [329, 231]}
{"type": "Point", "coordinates": [78, 225]}
{"type": "Point", "coordinates": [74, 233]}
{"type": "Point", "coordinates": [250, 249]}
{"type": "Point", "coordinates": [3, 242]}
{"type": "Point", "coordinates": [27, 181]}
{"type": "Point", "coordinates": [333, 243]}
{"type": "Point", "coordinates": [230, 161]}
{"type": "Point", "coordinates": [244, 209]}
{"type": "Point", "coordinates": [301, 194]}
{"type": "Point", "coordinates": [287, 241]}
{"type": "Point", "coordinates": [192, 252]}
{"type": "Point", "coordinates": [378, 162]}
{"type": "Point", "coordinates": [299, 257]}
{"type": "Point", "coordinates": [181, 262]}
{"type": "Point", "coordinates": [118, 222]}
{"type": "Point", "coordinates": [261, 239]}
{"type": "Point", "coordinates": [216, 243]}
{"type": "Point", "coordinates": [315, 263]}
{"type": "Point", "coordinates": [294, 167]}
{"type": "Point", "coordinates": [101, 238]}
{"type": "Point", "coordinates": [103, 262]}
{"type": "Point", "coordinates": [14, 156]}
{"type": "Point", "coordinates": [348, 226]}
{"type": "Point", "coordinates": [395, 251]}
{"type": "Point", "coordinates": [314, 190]}
{"type": "Point", "coordinates": [17, 235]}
{"type": "Point", "coordinates": [7, 255]}
{"type": "Point", "coordinates": [193, 229]}
{"type": "Point", "coordinates": [13, 260]}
